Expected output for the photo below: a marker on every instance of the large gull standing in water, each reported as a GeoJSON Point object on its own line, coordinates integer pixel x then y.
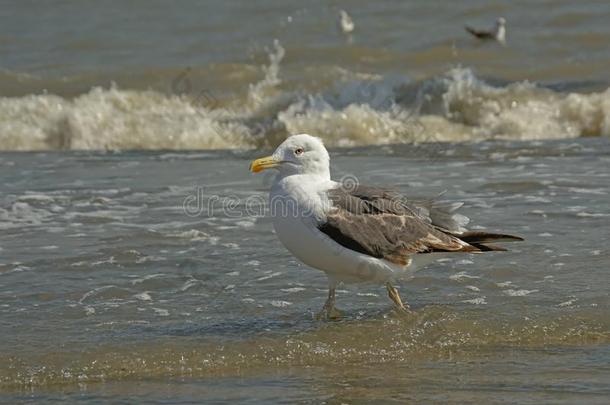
{"type": "Point", "coordinates": [359, 233]}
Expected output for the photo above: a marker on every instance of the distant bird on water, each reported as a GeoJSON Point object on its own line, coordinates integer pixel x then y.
{"type": "Point", "coordinates": [498, 33]}
{"type": "Point", "coordinates": [346, 24]}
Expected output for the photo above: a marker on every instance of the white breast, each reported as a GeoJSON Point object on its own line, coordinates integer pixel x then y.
{"type": "Point", "coordinates": [501, 34]}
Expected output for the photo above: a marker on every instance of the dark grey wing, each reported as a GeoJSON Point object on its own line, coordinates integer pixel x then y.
{"type": "Point", "coordinates": [366, 199]}
{"type": "Point", "coordinates": [381, 223]}
{"type": "Point", "coordinates": [481, 34]}
{"type": "Point", "coordinates": [375, 222]}
{"type": "Point", "coordinates": [370, 200]}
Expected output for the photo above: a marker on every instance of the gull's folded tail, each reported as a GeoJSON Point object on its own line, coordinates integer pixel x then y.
{"type": "Point", "coordinates": [485, 237]}
{"type": "Point", "coordinates": [481, 240]}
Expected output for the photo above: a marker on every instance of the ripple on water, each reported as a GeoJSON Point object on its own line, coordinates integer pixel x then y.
{"type": "Point", "coordinates": [431, 333]}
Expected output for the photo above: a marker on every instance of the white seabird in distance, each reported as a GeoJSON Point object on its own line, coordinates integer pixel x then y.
{"type": "Point", "coordinates": [498, 33]}
{"type": "Point", "coordinates": [345, 23]}
{"type": "Point", "coordinates": [362, 233]}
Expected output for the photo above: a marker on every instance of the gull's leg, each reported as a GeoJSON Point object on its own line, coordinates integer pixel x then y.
{"type": "Point", "coordinates": [328, 305]}
{"type": "Point", "coordinates": [328, 310]}
{"type": "Point", "coordinates": [395, 297]}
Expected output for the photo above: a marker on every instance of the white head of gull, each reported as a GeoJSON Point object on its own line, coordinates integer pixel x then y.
{"type": "Point", "coordinates": [358, 233]}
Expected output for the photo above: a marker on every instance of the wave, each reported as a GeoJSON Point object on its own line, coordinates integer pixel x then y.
{"type": "Point", "coordinates": [354, 110]}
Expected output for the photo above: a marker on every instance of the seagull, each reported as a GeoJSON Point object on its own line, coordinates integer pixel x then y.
{"type": "Point", "coordinates": [356, 233]}
{"type": "Point", "coordinates": [346, 24]}
{"type": "Point", "coordinates": [498, 33]}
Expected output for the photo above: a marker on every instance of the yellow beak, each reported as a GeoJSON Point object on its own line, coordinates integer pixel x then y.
{"type": "Point", "coordinates": [261, 164]}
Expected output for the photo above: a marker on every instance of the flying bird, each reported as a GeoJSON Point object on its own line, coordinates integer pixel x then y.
{"type": "Point", "coordinates": [357, 233]}
{"type": "Point", "coordinates": [498, 33]}
{"type": "Point", "coordinates": [345, 23]}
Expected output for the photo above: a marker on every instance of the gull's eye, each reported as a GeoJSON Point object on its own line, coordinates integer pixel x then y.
{"type": "Point", "coordinates": [298, 151]}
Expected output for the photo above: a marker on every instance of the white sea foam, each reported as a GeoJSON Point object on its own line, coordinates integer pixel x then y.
{"type": "Point", "coordinates": [476, 301]}
{"type": "Point", "coordinates": [567, 303]}
{"type": "Point", "coordinates": [195, 236]}
{"type": "Point", "coordinates": [461, 276]}
{"type": "Point", "coordinates": [518, 293]}
{"type": "Point", "coordinates": [367, 295]}
{"type": "Point", "coordinates": [356, 110]}
{"type": "Point", "coordinates": [464, 262]}
{"type": "Point", "coordinates": [592, 215]}
{"type": "Point", "coordinates": [268, 276]}
{"type": "Point", "coordinates": [144, 296]}
{"type": "Point", "coordinates": [192, 282]}
{"type": "Point", "coordinates": [292, 289]}
{"type": "Point", "coordinates": [147, 277]}
{"type": "Point", "coordinates": [161, 311]}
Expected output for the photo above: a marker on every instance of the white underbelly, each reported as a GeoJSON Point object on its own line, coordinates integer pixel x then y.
{"type": "Point", "coordinates": [317, 250]}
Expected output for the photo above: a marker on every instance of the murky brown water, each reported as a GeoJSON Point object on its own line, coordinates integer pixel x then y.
{"type": "Point", "coordinates": [109, 289]}
{"type": "Point", "coordinates": [155, 276]}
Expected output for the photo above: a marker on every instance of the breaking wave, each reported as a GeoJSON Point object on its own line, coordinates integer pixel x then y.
{"type": "Point", "coordinates": [355, 109]}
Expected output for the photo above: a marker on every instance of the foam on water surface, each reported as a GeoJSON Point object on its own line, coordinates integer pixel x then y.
{"type": "Point", "coordinates": [453, 107]}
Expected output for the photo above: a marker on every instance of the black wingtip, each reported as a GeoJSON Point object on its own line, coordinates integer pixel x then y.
{"type": "Point", "coordinates": [484, 237]}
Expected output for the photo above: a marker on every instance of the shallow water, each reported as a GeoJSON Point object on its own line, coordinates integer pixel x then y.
{"type": "Point", "coordinates": [136, 260]}
{"type": "Point", "coordinates": [156, 276]}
